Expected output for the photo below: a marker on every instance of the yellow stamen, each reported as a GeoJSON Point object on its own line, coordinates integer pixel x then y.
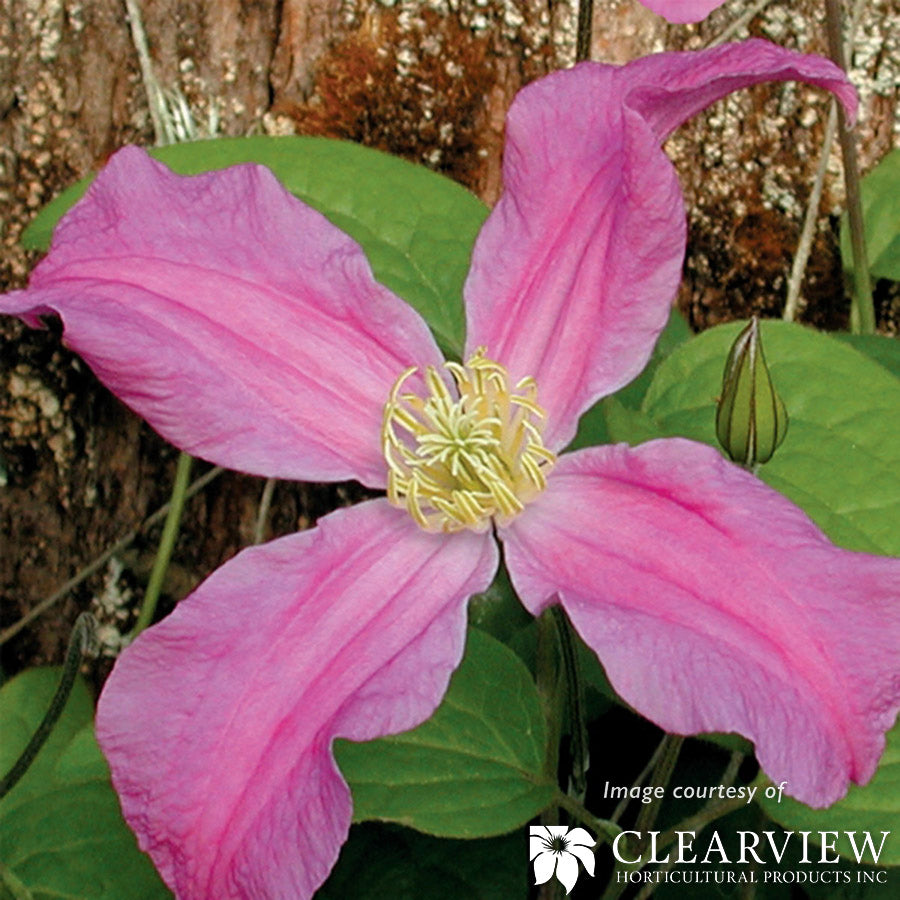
{"type": "Point", "coordinates": [458, 459]}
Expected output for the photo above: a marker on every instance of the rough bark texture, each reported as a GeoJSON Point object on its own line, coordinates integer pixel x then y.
{"type": "Point", "coordinates": [80, 470]}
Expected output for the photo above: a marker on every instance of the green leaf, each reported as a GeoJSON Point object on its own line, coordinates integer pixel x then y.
{"type": "Point", "coordinates": [381, 861]}
{"type": "Point", "coordinates": [63, 834]}
{"type": "Point", "coordinates": [880, 191]}
{"type": "Point", "coordinates": [474, 769]}
{"type": "Point", "coordinates": [498, 610]}
{"type": "Point", "coordinates": [884, 350]}
{"type": "Point", "coordinates": [416, 227]}
{"type": "Point", "coordinates": [840, 460]}
{"type": "Point", "coordinates": [874, 808]}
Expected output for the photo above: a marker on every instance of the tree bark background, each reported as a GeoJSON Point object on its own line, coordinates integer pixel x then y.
{"type": "Point", "coordinates": [430, 81]}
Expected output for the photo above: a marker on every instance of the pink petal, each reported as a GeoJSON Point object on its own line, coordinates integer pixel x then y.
{"type": "Point", "coordinates": [716, 605]}
{"type": "Point", "coordinates": [218, 722]}
{"type": "Point", "coordinates": [238, 321]}
{"type": "Point", "coordinates": [682, 11]}
{"type": "Point", "coordinates": [575, 270]}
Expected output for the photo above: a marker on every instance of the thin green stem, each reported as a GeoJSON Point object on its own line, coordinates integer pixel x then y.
{"type": "Point", "coordinates": [585, 29]}
{"type": "Point", "coordinates": [615, 888]}
{"type": "Point", "coordinates": [262, 515]}
{"type": "Point", "coordinates": [741, 22]}
{"type": "Point", "coordinates": [642, 777]}
{"type": "Point", "coordinates": [547, 679]}
{"type": "Point", "coordinates": [810, 218]}
{"type": "Point", "coordinates": [664, 758]}
{"type": "Point", "coordinates": [80, 642]}
{"type": "Point", "coordinates": [709, 813]}
{"type": "Point", "coordinates": [155, 98]}
{"type": "Point", "coordinates": [662, 775]}
{"type": "Point", "coordinates": [604, 829]}
{"type": "Point", "coordinates": [98, 562]}
{"type": "Point", "coordinates": [862, 309]}
{"type": "Point", "coordinates": [695, 823]}
{"type": "Point", "coordinates": [16, 888]}
{"type": "Point", "coordinates": [548, 688]}
{"type": "Point", "coordinates": [574, 698]}
{"type": "Point", "coordinates": [166, 544]}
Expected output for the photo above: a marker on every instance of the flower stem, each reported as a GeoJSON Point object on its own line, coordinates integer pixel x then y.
{"type": "Point", "coordinates": [13, 886]}
{"type": "Point", "coordinates": [80, 642]}
{"type": "Point", "coordinates": [696, 823]}
{"type": "Point", "coordinates": [585, 29]}
{"type": "Point", "coordinates": [262, 516]}
{"type": "Point", "coordinates": [574, 702]}
{"type": "Point", "coordinates": [98, 562]}
{"type": "Point", "coordinates": [166, 545]}
{"type": "Point", "coordinates": [642, 777]}
{"type": "Point", "coordinates": [155, 97]}
{"type": "Point", "coordinates": [548, 688]}
{"type": "Point", "coordinates": [862, 310]}
{"type": "Point", "coordinates": [662, 775]}
{"type": "Point", "coordinates": [712, 811]}
{"type": "Point", "coordinates": [603, 828]}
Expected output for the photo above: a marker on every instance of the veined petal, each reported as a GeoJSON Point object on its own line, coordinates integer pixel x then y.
{"type": "Point", "coordinates": [715, 604]}
{"type": "Point", "coordinates": [239, 322]}
{"type": "Point", "coordinates": [682, 11]}
{"type": "Point", "coordinates": [575, 270]}
{"type": "Point", "coordinates": [667, 89]}
{"type": "Point", "coordinates": [218, 722]}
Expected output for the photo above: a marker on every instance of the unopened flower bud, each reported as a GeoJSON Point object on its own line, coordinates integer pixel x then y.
{"type": "Point", "coordinates": [751, 420]}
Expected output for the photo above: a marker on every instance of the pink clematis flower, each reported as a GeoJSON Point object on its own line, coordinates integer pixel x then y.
{"type": "Point", "coordinates": [681, 12]}
{"type": "Point", "coordinates": [249, 330]}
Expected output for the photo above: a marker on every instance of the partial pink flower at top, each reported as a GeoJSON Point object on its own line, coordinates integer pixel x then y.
{"type": "Point", "coordinates": [249, 330]}
{"type": "Point", "coordinates": [682, 11]}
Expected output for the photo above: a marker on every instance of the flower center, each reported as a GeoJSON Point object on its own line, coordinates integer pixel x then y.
{"type": "Point", "coordinates": [457, 459]}
{"type": "Point", "coordinates": [559, 844]}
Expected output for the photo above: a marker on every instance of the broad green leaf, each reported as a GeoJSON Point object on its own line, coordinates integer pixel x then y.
{"type": "Point", "coordinates": [416, 227]}
{"type": "Point", "coordinates": [500, 613]}
{"type": "Point", "coordinates": [62, 833]}
{"type": "Point", "coordinates": [884, 350]}
{"type": "Point", "coordinates": [386, 861]}
{"type": "Point", "coordinates": [881, 220]}
{"type": "Point", "coordinates": [840, 460]}
{"type": "Point", "coordinates": [474, 769]}
{"type": "Point", "coordinates": [873, 808]}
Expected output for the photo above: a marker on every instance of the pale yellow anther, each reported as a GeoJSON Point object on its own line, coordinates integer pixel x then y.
{"type": "Point", "coordinates": [461, 458]}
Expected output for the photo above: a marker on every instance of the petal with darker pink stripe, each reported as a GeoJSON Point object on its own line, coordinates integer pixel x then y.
{"type": "Point", "coordinates": [218, 722]}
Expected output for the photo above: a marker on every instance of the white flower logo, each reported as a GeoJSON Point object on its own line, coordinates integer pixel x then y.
{"type": "Point", "coordinates": [556, 849]}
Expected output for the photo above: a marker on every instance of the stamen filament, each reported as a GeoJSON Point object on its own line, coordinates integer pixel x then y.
{"type": "Point", "coordinates": [460, 459]}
